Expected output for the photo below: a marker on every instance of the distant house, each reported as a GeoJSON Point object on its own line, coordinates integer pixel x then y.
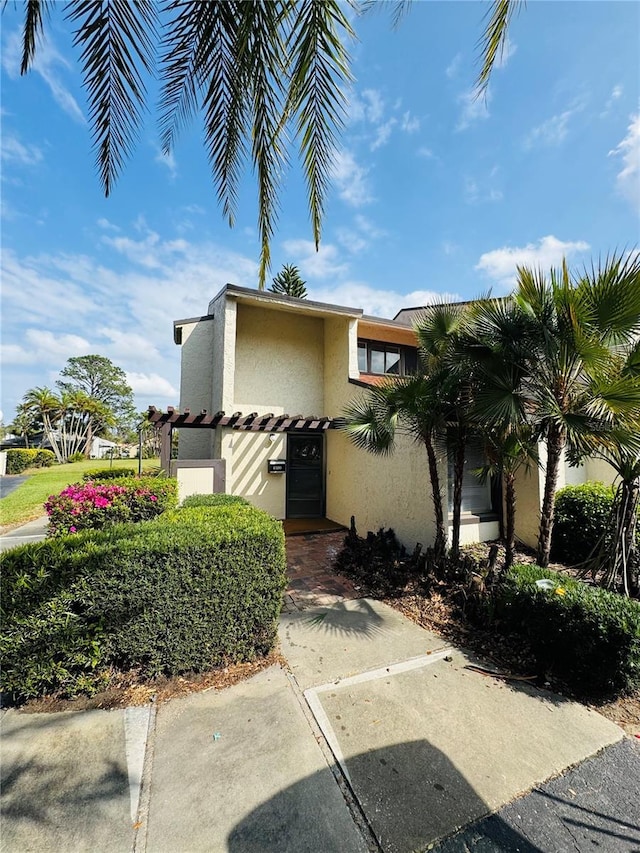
{"type": "Point", "coordinates": [274, 375]}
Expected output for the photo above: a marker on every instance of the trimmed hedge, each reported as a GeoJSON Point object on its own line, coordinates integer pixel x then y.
{"type": "Point", "coordinates": [586, 636]}
{"type": "Point", "coordinates": [100, 474]}
{"type": "Point", "coordinates": [94, 505]}
{"type": "Point", "coordinates": [582, 518]}
{"type": "Point", "coordinates": [21, 458]}
{"type": "Point", "coordinates": [186, 592]}
{"type": "Point", "coordinates": [218, 499]}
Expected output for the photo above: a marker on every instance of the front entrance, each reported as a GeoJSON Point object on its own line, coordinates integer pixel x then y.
{"type": "Point", "coordinates": [305, 475]}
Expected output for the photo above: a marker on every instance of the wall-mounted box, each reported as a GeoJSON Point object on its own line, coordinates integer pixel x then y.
{"type": "Point", "coordinates": [277, 466]}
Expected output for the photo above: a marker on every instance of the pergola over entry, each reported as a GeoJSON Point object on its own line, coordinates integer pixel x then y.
{"type": "Point", "coordinates": [171, 419]}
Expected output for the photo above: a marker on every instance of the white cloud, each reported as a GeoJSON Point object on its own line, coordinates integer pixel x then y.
{"type": "Point", "coordinates": [106, 225]}
{"type": "Point", "coordinates": [359, 237]}
{"type": "Point", "coordinates": [500, 264]}
{"type": "Point", "coordinates": [453, 67]}
{"type": "Point", "coordinates": [379, 303]}
{"type": "Point", "coordinates": [168, 161]}
{"type": "Point", "coordinates": [152, 385]}
{"type": "Point", "coordinates": [14, 151]}
{"type": "Point", "coordinates": [325, 263]}
{"type": "Point", "coordinates": [628, 178]}
{"type": "Point", "coordinates": [48, 63]}
{"type": "Point", "coordinates": [427, 153]}
{"type": "Point", "coordinates": [616, 94]}
{"type": "Point", "coordinates": [351, 179]}
{"type": "Point", "coordinates": [554, 130]}
{"type": "Point", "coordinates": [409, 124]}
{"type": "Point", "coordinates": [474, 108]}
{"type": "Point", "coordinates": [383, 134]}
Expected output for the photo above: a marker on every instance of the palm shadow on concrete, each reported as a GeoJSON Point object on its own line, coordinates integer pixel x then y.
{"type": "Point", "coordinates": [411, 796]}
{"type": "Point", "coordinates": [357, 618]}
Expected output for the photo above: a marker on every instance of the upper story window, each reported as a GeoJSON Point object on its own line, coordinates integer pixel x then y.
{"type": "Point", "coordinates": [382, 358]}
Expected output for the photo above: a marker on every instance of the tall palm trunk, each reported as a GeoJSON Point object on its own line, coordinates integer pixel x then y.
{"type": "Point", "coordinates": [458, 474]}
{"type": "Point", "coordinates": [555, 445]}
{"type": "Point", "coordinates": [510, 536]}
{"type": "Point", "coordinates": [440, 541]}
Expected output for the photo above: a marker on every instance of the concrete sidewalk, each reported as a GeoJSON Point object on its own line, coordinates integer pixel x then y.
{"type": "Point", "coordinates": [32, 531]}
{"type": "Point", "coordinates": [379, 738]}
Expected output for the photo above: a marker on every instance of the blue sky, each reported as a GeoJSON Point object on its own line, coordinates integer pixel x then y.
{"type": "Point", "coordinates": [434, 192]}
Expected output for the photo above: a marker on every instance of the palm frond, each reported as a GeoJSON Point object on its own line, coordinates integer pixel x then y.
{"type": "Point", "coordinates": [610, 293]}
{"type": "Point", "coordinates": [494, 38]}
{"type": "Point", "coordinates": [117, 37]}
{"type": "Point", "coordinates": [319, 72]}
{"type": "Point", "coordinates": [33, 30]}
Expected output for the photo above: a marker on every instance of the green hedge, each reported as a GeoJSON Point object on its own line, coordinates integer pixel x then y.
{"type": "Point", "coordinates": [587, 636]}
{"type": "Point", "coordinates": [19, 459]}
{"type": "Point", "coordinates": [99, 474]}
{"type": "Point", "coordinates": [582, 518]}
{"type": "Point", "coordinates": [219, 499]}
{"type": "Point", "coordinates": [185, 592]}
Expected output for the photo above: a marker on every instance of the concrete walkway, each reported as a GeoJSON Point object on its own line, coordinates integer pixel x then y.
{"type": "Point", "coordinates": [377, 739]}
{"type": "Point", "coordinates": [32, 531]}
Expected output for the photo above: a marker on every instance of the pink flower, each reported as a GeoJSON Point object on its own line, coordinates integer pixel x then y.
{"type": "Point", "coordinates": [154, 498]}
{"type": "Point", "coordinates": [73, 529]}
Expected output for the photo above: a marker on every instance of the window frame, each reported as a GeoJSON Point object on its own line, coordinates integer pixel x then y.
{"type": "Point", "coordinates": [389, 349]}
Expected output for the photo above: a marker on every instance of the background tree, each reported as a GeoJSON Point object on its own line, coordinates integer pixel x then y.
{"type": "Point", "coordinates": [102, 381]}
{"type": "Point", "coordinates": [289, 282]}
{"type": "Point", "coordinates": [259, 72]}
{"type": "Point", "coordinates": [42, 404]}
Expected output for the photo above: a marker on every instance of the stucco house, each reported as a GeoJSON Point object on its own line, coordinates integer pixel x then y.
{"type": "Point", "coordinates": [264, 382]}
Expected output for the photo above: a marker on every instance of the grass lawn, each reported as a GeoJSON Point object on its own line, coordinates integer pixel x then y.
{"type": "Point", "coordinates": [26, 502]}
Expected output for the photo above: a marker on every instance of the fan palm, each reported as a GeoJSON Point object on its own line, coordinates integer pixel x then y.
{"type": "Point", "coordinates": [289, 282]}
{"type": "Point", "coordinates": [42, 403]}
{"type": "Point", "coordinates": [254, 70]}
{"type": "Point", "coordinates": [575, 329]}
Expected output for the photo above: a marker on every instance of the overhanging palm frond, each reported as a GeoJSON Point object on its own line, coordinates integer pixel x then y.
{"type": "Point", "coordinates": [494, 38]}
{"type": "Point", "coordinates": [319, 72]}
{"type": "Point", "coordinates": [117, 37]}
{"type": "Point", "coordinates": [33, 30]}
{"type": "Point", "coordinates": [367, 428]}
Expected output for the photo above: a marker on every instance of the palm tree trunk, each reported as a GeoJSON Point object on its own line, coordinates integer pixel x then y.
{"type": "Point", "coordinates": [458, 474]}
{"type": "Point", "coordinates": [555, 445]}
{"type": "Point", "coordinates": [510, 500]}
{"type": "Point", "coordinates": [440, 541]}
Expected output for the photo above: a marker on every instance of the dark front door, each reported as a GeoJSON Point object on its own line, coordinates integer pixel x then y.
{"type": "Point", "coordinates": [305, 475]}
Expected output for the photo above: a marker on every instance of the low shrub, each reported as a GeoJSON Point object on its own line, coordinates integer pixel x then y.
{"type": "Point", "coordinates": [21, 458]}
{"type": "Point", "coordinates": [100, 474]}
{"type": "Point", "coordinates": [218, 499]}
{"type": "Point", "coordinates": [186, 592]}
{"type": "Point", "coordinates": [378, 561]}
{"type": "Point", "coordinates": [78, 456]}
{"type": "Point", "coordinates": [93, 505]}
{"type": "Point", "coordinates": [584, 635]}
{"type": "Point", "coordinates": [582, 519]}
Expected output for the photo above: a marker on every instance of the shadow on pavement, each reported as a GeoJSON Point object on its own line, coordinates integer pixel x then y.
{"type": "Point", "coordinates": [411, 795]}
{"type": "Point", "coordinates": [357, 619]}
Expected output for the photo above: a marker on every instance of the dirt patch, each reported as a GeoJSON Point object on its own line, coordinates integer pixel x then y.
{"type": "Point", "coordinates": [128, 688]}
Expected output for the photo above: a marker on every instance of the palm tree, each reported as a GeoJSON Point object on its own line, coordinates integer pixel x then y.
{"type": "Point", "coordinates": [407, 405]}
{"type": "Point", "coordinates": [289, 282]}
{"type": "Point", "coordinates": [575, 328]}
{"type": "Point", "coordinates": [256, 71]}
{"type": "Point", "coordinates": [42, 403]}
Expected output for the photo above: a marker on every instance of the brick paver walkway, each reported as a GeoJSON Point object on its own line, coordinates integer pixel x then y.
{"type": "Point", "coordinates": [312, 581]}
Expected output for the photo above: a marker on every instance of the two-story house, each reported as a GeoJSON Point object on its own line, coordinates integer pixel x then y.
{"type": "Point", "coordinates": [256, 357]}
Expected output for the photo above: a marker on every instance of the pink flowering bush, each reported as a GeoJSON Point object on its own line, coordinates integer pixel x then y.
{"type": "Point", "coordinates": [93, 505]}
